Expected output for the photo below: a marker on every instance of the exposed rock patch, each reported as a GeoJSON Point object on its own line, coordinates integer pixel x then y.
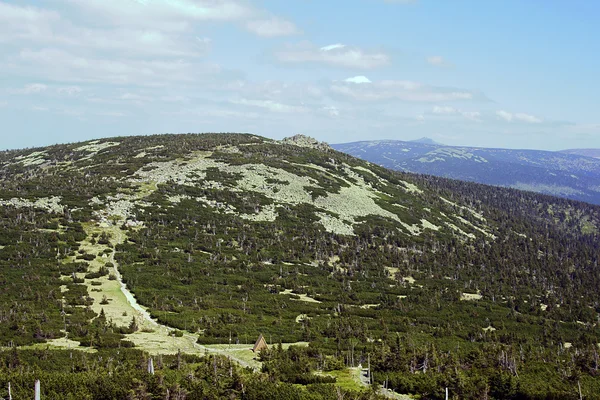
{"type": "Point", "coordinates": [307, 141]}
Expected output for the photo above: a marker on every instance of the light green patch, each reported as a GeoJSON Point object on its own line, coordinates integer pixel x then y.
{"type": "Point", "coordinates": [470, 296]}
{"type": "Point", "coordinates": [464, 221]}
{"type": "Point", "coordinates": [339, 211]}
{"type": "Point", "coordinates": [146, 188]}
{"type": "Point", "coordinates": [303, 297]}
{"type": "Point", "coordinates": [242, 352]}
{"type": "Point", "coordinates": [50, 204]}
{"type": "Point", "coordinates": [302, 317]}
{"type": "Point", "coordinates": [348, 379]}
{"type": "Point", "coordinates": [333, 260]}
{"type": "Point", "coordinates": [392, 271]}
{"type": "Point", "coordinates": [266, 214]}
{"type": "Point", "coordinates": [367, 306]}
{"type": "Point", "coordinates": [428, 225]}
{"type": "Point", "coordinates": [35, 158]}
{"type": "Point", "coordinates": [449, 152]}
{"type": "Point", "coordinates": [95, 147]}
{"type": "Point", "coordinates": [60, 344]}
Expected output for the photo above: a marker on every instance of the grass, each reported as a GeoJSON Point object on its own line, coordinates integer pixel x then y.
{"type": "Point", "coordinates": [348, 379]}
{"type": "Point", "coordinates": [302, 297]}
{"type": "Point", "coordinates": [59, 344]}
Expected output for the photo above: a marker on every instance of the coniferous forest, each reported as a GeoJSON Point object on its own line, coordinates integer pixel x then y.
{"type": "Point", "coordinates": [340, 264]}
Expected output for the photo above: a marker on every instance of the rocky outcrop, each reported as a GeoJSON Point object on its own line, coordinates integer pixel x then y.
{"type": "Point", "coordinates": [307, 141]}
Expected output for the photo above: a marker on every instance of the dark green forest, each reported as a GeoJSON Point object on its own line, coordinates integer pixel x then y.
{"type": "Point", "coordinates": [435, 283]}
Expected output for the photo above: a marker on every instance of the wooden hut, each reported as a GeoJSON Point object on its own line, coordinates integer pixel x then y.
{"type": "Point", "coordinates": [261, 344]}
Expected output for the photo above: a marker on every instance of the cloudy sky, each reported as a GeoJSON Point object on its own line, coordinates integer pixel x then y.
{"type": "Point", "coordinates": [494, 73]}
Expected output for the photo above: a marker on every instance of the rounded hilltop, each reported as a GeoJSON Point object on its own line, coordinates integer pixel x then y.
{"type": "Point", "coordinates": [307, 141]}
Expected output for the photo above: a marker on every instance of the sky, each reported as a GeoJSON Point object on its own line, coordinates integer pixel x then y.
{"type": "Point", "coordinates": [494, 73]}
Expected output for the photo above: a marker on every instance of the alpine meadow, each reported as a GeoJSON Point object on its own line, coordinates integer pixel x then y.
{"type": "Point", "coordinates": [180, 250]}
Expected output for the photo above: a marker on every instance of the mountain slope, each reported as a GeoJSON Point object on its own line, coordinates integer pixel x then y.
{"type": "Point", "coordinates": [225, 237]}
{"type": "Point", "coordinates": [595, 153]}
{"type": "Point", "coordinates": [556, 173]}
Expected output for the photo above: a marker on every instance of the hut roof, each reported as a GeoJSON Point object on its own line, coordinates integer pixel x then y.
{"type": "Point", "coordinates": [261, 344]}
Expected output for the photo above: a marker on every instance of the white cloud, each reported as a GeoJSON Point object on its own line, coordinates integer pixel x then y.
{"type": "Point", "coordinates": [401, 91]}
{"type": "Point", "coordinates": [270, 105]}
{"type": "Point", "coordinates": [438, 61]}
{"type": "Point", "coordinates": [70, 90]}
{"type": "Point", "coordinates": [111, 114]}
{"type": "Point", "coordinates": [60, 65]}
{"type": "Point", "coordinates": [135, 98]}
{"type": "Point", "coordinates": [358, 79]}
{"type": "Point", "coordinates": [505, 115]}
{"type": "Point", "coordinates": [149, 12]}
{"type": "Point", "coordinates": [527, 118]}
{"type": "Point", "coordinates": [338, 55]}
{"type": "Point", "coordinates": [18, 22]}
{"type": "Point", "coordinates": [331, 111]}
{"type": "Point", "coordinates": [211, 111]}
{"type": "Point", "coordinates": [175, 99]}
{"type": "Point", "coordinates": [31, 88]}
{"type": "Point", "coordinates": [472, 115]}
{"type": "Point", "coordinates": [35, 88]}
{"type": "Point", "coordinates": [35, 26]}
{"type": "Point", "coordinates": [510, 117]}
{"type": "Point", "coordinates": [444, 110]}
{"type": "Point", "coordinates": [272, 27]}
{"type": "Point", "coordinates": [332, 47]}
{"type": "Point", "coordinates": [277, 91]}
{"type": "Point", "coordinates": [179, 15]}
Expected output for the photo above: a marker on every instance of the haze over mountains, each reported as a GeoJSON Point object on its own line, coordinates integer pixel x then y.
{"type": "Point", "coordinates": [574, 174]}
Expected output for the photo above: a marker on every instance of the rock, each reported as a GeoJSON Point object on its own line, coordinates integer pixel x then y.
{"type": "Point", "coordinates": [307, 141]}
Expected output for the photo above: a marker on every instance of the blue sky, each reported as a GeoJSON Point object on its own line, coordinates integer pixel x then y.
{"type": "Point", "coordinates": [494, 73]}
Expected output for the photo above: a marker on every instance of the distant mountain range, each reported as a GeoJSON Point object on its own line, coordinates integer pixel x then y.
{"type": "Point", "coordinates": [584, 152]}
{"type": "Point", "coordinates": [573, 174]}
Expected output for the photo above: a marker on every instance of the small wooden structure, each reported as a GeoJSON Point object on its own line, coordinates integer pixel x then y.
{"type": "Point", "coordinates": [261, 344]}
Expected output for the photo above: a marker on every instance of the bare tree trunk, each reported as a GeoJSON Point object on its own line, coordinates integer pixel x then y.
{"type": "Point", "coordinates": [150, 366]}
{"type": "Point", "coordinates": [38, 394]}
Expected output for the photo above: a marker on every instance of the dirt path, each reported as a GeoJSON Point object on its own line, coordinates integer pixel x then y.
{"type": "Point", "coordinates": [120, 238]}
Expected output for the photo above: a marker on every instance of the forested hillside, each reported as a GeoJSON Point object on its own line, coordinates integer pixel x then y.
{"type": "Point", "coordinates": [434, 283]}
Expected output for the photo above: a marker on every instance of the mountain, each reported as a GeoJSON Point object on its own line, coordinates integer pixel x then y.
{"type": "Point", "coordinates": [555, 173]}
{"type": "Point", "coordinates": [425, 140]}
{"type": "Point", "coordinates": [193, 246]}
{"type": "Point", "coordinates": [595, 153]}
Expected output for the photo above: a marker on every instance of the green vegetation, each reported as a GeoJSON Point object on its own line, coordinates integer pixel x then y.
{"type": "Point", "coordinates": [224, 237]}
